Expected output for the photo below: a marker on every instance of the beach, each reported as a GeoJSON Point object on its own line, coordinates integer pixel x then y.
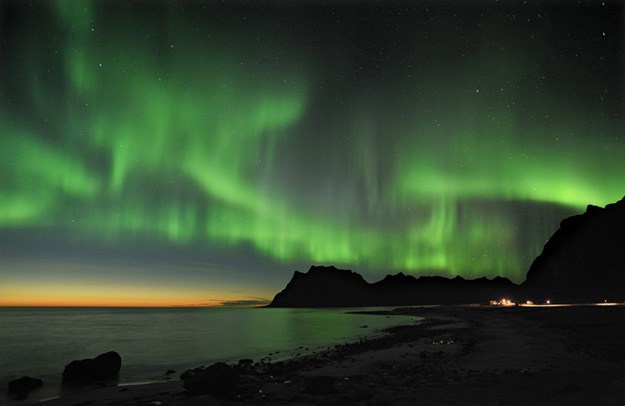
{"type": "Point", "coordinates": [458, 355]}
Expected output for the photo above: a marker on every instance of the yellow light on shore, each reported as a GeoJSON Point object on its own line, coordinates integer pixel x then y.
{"type": "Point", "coordinates": [606, 303]}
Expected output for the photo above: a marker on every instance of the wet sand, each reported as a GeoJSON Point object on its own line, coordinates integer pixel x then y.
{"type": "Point", "coordinates": [457, 356]}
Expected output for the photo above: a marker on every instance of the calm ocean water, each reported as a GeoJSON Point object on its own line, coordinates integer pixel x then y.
{"type": "Point", "coordinates": [39, 342]}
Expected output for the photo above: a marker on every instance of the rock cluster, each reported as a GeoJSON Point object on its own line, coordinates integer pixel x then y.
{"type": "Point", "coordinates": [298, 381]}
{"type": "Point", "coordinates": [103, 367]}
{"type": "Point", "coordinates": [218, 378]}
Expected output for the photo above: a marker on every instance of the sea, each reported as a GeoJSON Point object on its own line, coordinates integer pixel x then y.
{"type": "Point", "coordinates": [39, 342]}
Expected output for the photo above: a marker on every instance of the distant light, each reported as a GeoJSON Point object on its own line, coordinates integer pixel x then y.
{"type": "Point", "coordinates": [548, 301]}
{"type": "Point", "coordinates": [506, 302]}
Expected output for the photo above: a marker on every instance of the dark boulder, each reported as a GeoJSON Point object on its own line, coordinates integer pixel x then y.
{"type": "Point", "coordinates": [103, 367]}
{"type": "Point", "coordinates": [190, 372]}
{"type": "Point", "coordinates": [20, 387]}
{"type": "Point", "coordinates": [245, 367]}
{"type": "Point", "coordinates": [216, 379]}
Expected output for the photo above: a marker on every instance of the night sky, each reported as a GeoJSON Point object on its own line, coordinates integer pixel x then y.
{"type": "Point", "coordinates": [199, 153]}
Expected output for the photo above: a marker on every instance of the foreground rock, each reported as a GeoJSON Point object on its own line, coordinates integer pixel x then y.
{"type": "Point", "coordinates": [19, 388]}
{"type": "Point", "coordinates": [458, 355]}
{"type": "Point", "coordinates": [216, 379]}
{"type": "Point", "coordinates": [103, 367]}
{"type": "Point", "coordinates": [245, 367]}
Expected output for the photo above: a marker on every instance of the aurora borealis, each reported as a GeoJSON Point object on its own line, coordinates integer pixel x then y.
{"type": "Point", "coordinates": [198, 152]}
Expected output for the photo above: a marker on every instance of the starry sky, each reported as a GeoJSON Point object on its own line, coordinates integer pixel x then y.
{"type": "Point", "coordinates": [197, 153]}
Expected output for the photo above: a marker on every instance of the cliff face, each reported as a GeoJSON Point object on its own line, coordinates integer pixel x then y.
{"type": "Point", "coordinates": [332, 287]}
{"type": "Point", "coordinates": [584, 260]}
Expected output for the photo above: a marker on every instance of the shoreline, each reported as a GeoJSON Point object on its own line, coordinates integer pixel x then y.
{"type": "Point", "coordinates": [558, 355]}
{"type": "Point", "coordinates": [269, 349]}
{"type": "Point", "coordinates": [190, 337]}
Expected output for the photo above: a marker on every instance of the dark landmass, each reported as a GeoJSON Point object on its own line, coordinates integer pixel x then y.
{"type": "Point", "coordinates": [584, 260]}
{"type": "Point", "coordinates": [331, 287]}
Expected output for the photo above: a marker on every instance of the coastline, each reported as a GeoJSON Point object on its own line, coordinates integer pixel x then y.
{"type": "Point", "coordinates": [516, 356]}
{"type": "Point", "coordinates": [152, 341]}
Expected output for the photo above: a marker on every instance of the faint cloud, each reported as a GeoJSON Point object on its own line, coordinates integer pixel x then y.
{"type": "Point", "coordinates": [245, 303]}
{"type": "Point", "coordinates": [254, 302]}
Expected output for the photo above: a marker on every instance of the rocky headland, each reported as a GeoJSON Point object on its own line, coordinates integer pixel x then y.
{"type": "Point", "coordinates": [584, 260]}
{"type": "Point", "coordinates": [327, 286]}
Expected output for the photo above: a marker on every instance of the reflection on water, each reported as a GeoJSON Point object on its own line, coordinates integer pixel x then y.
{"type": "Point", "coordinates": [40, 341]}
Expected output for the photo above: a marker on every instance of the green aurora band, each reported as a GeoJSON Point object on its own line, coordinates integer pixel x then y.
{"type": "Point", "coordinates": [170, 138]}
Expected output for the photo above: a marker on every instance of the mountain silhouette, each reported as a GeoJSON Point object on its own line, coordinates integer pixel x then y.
{"type": "Point", "coordinates": [327, 286]}
{"type": "Point", "coordinates": [584, 260]}
{"type": "Point", "coordinates": [324, 286]}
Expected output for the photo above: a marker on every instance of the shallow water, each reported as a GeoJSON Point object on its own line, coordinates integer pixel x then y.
{"type": "Point", "coordinates": [39, 342]}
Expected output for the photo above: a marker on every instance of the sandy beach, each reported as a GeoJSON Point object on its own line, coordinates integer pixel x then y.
{"type": "Point", "coordinates": [457, 356]}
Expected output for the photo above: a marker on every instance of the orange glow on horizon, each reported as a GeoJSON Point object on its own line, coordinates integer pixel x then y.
{"type": "Point", "coordinates": [112, 296]}
{"type": "Point", "coordinates": [60, 302]}
{"type": "Point", "coordinates": [119, 303]}
{"type": "Point", "coordinates": [75, 284]}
